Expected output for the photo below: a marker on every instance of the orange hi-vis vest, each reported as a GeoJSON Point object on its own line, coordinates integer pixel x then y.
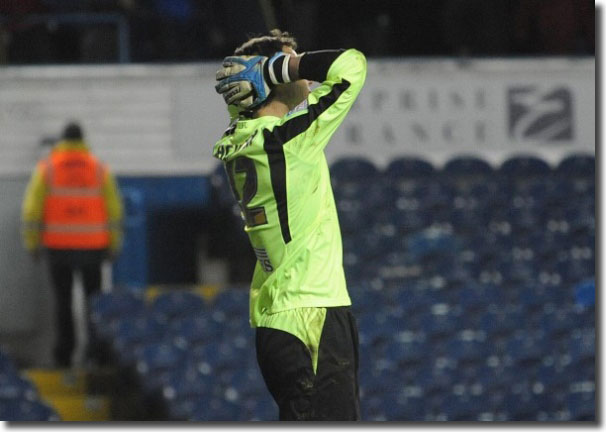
{"type": "Point", "coordinates": [75, 214]}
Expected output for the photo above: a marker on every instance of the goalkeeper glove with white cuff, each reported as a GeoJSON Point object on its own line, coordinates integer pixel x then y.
{"type": "Point", "coordinates": [247, 81]}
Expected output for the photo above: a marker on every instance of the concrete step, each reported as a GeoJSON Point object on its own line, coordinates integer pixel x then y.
{"type": "Point", "coordinates": [68, 392]}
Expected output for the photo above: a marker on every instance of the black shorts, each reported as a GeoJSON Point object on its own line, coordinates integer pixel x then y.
{"type": "Point", "coordinates": [286, 365]}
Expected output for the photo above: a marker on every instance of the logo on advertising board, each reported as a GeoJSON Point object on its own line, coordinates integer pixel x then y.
{"type": "Point", "coordinates": [537, 113]}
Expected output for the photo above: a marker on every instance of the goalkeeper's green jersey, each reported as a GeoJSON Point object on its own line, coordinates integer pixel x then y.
{"type": "Point", "coordinates": [279, 175]}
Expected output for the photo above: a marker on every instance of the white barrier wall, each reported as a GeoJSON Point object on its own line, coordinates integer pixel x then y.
{"type": "Point", "coordinates": [161, 120]}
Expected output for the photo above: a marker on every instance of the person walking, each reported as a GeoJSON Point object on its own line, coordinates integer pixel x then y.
{"type": "Point", "coordinates": [72, 212]}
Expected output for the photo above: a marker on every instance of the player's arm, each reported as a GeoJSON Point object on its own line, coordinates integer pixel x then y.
{"type": "Point", "coordinates": [342, 74]}
{"type": "Point", "coordinates": [246, 82]}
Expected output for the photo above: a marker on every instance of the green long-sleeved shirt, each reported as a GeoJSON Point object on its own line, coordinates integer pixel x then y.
{"type": "Point", "coordinates": [279, 175]}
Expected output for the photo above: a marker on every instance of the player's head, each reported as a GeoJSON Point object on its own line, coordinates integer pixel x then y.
{"type": "Point", "coordinates": [292, 93]}
{"type": "Point", "coordinates": [72, 132]}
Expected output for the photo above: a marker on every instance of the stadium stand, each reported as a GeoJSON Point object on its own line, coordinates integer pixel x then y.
{"type": "Point", "coordinates": [473, 288]}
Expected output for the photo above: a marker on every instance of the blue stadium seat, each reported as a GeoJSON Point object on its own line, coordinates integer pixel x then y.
{"type": "Point", "coordinates": [248, 383]}
{"type": "Point", "coordinates": [581, 406]}
{"type": "Point", "coordinates": [459, 408]}
{"type": "Point", "coordinates": [218, 409]}
{"type": "Point", "coordinates": [107, 308]}
{"type": "Point", "coordinates": [408, 168]}
{"type": "Point", "coordinates": [468, 167]}
{"type": "Point", "coordinates": [7, 365]}
{"type": "Point", "coordinates": [14, 386]}
{"type": "Point", "coordinates": [466, 351]}
{"type": "Point", "coordinates": [522, 167]}
{"type": "Point", "coordinates": [521, 408]}
{"type": "Point", "coordinates": [502, 322]}
{"type": "Point", "coordinates": [183, 385]}
{"type": "Point", "coordinates": [552, 378]}
{"type": "Point", "coordinates": [434, 381]}
{"type": "Point", "coordinates": [352, 169]}
{"type": "Point", "coordinates": [441, 325]}
{"type": "Point", "coordinates": [576, 166]}
{"type": "Point", "coordinates": [154, 360]}
{"type": "Point", "coordinates": [194, 330]}
{"type": "Point", "coordinates": [177, 304]}
{"type": "Point", "coordinates": [525, 350]}
{"type": "Point", "coordinates": [353, 215]}
{"type": "Point", "coordinates": [132, 334]}
{"type": "Point", "coordinates": [220, 182]}
{"type": "Point", "coordinates": [261, 408]}
{"type": "Point", "coordinates": [559, 323]}
{"type": "Point", "coordinates": [584, 293]}
{"type": "Point", "coordinates": [399, 407]}
{"type": "Point", "coordinates": [22, 410]}
{"type": "Point", "coordinates": [406, 354]}
{"type": "Point", "coordinates": [581, 347]}
{"type": "Point", "coordinates": [232, 301]}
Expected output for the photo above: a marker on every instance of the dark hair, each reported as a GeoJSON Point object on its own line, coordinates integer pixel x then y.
{"type": "Point", "coordinates": [72, 131]}
{"type": "Point", "coordinates": [267, 45]}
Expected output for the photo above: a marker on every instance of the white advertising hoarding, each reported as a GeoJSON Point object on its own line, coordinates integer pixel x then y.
{"type": "Point", "coordinates": [163, 120]}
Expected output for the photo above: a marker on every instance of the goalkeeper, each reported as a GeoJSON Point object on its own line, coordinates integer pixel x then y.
{"type": "Point", "coordinates": [273, 152]}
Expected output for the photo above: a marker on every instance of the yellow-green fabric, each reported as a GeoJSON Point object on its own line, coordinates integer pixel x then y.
{"type": "Point", "coordinates": [305, 323]}
{"type": "Point", "coordinates": [279, 174]}
{"type": "Point", "coordinates": [32, 210]}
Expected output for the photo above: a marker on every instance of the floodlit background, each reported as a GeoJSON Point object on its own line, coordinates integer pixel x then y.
{"type": "Point", "coordinates": [464, 178]}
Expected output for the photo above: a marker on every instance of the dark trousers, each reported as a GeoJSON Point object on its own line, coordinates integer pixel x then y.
{"type": "Point", "coordinates": [285, 363]}
{"type": "Point", "coordinates": [62, 265]}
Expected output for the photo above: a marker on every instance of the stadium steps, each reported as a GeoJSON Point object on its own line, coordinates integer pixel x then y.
{"type": "Point", "coordinates": [76, 395]}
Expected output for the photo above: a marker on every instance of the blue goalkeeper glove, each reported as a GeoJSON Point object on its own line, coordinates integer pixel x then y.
{"type": "Point", "coordinates": [246, 81]}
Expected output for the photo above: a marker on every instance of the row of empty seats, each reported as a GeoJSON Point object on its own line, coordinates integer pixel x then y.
{"type": "Point", "coordinates": [473, 287]}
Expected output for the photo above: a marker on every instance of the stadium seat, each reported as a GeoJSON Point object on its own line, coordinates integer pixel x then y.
{"type": "Point", "coordinates": [23, 410]}
{"type": "Point", "coordinates": [581, 347]}
{"type": "Point", "coordinates": [408, 168]}
{"type": "Point", "coordinates": [232, 301]}
{"type": "Point", "coordinates": [185, 384]}
{"type": "Point", "coordinates": [441, 325]}
{"type": "Point", "coordinates": [352, 169]}
{"type": "Point", "coordinates": [467, 171]}
{"type": "Point", "coordinates": [584, 293]}
{"type": "Point", "coordinates": [576, 166]}
{"type": "Point", "coordinates": [406, 354]}
{"type": "Point", "coordinates": [15, 387]}
{"type": "Point", "coordinates": [521, 408]}
{"type": "Point", "coordinates": [132, 334]}
{"type": "Point", "coordinates": [466, 351]}
{"type": "Point", "coordinates": [154, 360]}
{"type": "Point", "coordinates": [220, 182]}
{"type": "Point", "coordinates": [176, 304]}
{"type": "Point", "coordinates": [581, 406]}
{"type": "Point", "coordinates": [7, 365]}
{"type": "Point", "coordinates": [525, 350]}
{"type": "Point", "coordinates": [524, 167]}
{"type": "Point", "coordinates": [193, 330]}
{"type": "Point", "coordinates": [458, 408]}
{"type": "Point", "coordinates": [107, 308]}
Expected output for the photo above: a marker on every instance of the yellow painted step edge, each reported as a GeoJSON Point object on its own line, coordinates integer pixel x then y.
{"type": "Point", "coordinates": [79, 408]}
{"type": "Point", "coordinates": [58, 381]}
